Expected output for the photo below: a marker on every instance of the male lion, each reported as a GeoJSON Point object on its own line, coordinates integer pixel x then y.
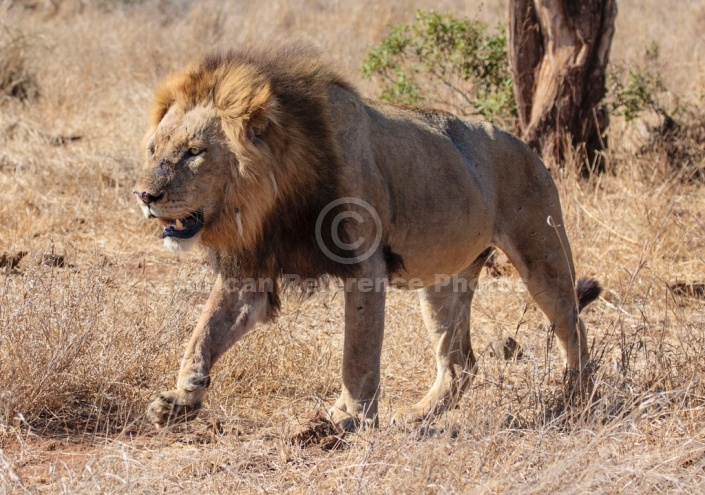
{"type": "Point", "coordinates": [276, 166]}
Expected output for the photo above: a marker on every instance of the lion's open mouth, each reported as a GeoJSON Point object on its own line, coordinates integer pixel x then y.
{"type": "Point", "coordinates": [183, 228]}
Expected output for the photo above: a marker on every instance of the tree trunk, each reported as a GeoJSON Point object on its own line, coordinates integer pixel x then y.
{"type": "Point", "coordinates": [559, 50]}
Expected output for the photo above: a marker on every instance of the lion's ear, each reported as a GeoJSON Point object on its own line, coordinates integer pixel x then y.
{"type": "Point", "coordinates": [247, 106]}
{"type": "Point", "coordinates": [257, 126]}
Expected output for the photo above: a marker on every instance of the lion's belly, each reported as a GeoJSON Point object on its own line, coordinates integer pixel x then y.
{"type": "Point", "coordinates": [433, 256]}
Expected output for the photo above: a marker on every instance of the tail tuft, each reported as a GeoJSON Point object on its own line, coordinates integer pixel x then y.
{"type": "Point", "coordinates": [587, 289]}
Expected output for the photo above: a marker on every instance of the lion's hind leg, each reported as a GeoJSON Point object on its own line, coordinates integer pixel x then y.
{"type": "Point", "coordinates": [446, 312]}
{"type": "Point", "coordinates": [545, 263]}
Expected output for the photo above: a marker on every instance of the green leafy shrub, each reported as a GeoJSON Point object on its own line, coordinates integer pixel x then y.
{"type": "Point", "coordinates": [441, 53]}
{"type": "Point", "coordinates": [678, 134]}
{"type": "Point", "coordinates": [633, 91]}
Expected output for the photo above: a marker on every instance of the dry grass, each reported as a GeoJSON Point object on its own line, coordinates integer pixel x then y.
{"type": "Point", "coordinates": [94, 317]}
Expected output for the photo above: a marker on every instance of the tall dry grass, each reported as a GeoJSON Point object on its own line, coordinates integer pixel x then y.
{"type": "Point", "coordinates": [94, 315]}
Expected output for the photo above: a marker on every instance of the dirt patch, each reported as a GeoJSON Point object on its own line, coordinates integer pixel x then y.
{"type": "Point", "coordinates": [506, 348]}
{"type": "Point", "coordinates": [694, 290]}
{"type": "Point", "coordinates": [10, 261]}
{"type": "Point", "coordinates": [320, 432]}
{"type": "Point", "coordinates": [498, 265]}
{"type": "Point", "coordinates": [50, 259]}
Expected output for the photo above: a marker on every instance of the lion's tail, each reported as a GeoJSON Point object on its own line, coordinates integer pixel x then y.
{"type": "Point", "coordinates": [587, 289]}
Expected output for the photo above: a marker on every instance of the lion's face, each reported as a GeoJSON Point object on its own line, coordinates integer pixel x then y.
{"type": "Point", "coordinates": [183, 181]}
{"type": "Point", "coordinates": [233, 165]}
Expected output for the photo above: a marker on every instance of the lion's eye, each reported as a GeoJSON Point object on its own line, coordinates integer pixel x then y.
{"type": "Point", "coordinates": [151, 150]}
{"type": "Point", "coordinates": [195, 151]}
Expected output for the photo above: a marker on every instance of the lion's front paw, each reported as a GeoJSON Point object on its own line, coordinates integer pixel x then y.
{"type": "Point", "coordinates": [172, 407]}
{"type": "Point", "coordinates": [351, 416]}
{"type": "Point", "coordinates": [343, 420]}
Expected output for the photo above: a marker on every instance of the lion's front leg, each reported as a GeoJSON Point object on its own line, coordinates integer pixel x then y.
{"type": "Point", "coordinates": [229, 313]}
{"type": "Point", "coordinates": [364, 329]}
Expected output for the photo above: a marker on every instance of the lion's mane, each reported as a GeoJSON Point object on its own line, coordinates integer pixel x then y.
{"type": "Point", "coordinates": [288, 160]}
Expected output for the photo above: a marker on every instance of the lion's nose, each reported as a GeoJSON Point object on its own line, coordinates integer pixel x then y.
{"type": "Point", "coordinates": [148, 198]}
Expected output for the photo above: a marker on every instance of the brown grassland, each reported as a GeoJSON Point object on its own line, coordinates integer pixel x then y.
{"type": "Point", "coordinates": [94, 313]}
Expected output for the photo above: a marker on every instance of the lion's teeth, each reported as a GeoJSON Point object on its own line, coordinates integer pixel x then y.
{"type": "Point", "coordinates": [179, 225]}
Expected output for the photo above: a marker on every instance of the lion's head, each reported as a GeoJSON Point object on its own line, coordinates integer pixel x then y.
{"type": "Point", "coordinates": [241, 159]}
{"type": "Point", "coordinates": [204, 176]}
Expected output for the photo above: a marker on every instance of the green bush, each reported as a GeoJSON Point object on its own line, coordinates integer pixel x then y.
{"type": "Point", "coordinates": [632, 91]}
{"type": "Point", "coordinates": [459, 54]}
{"type": "Point", "coordinates": [458, 63]}
{"type": "Point", "coordinates": [679, 133]}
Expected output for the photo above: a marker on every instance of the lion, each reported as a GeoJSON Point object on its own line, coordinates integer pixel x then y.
{"type": "Point", "coordinates": [280, 170]}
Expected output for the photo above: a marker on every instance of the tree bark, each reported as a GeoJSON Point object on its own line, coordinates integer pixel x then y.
{"type": "Point", "coordinates": [559, 51]}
